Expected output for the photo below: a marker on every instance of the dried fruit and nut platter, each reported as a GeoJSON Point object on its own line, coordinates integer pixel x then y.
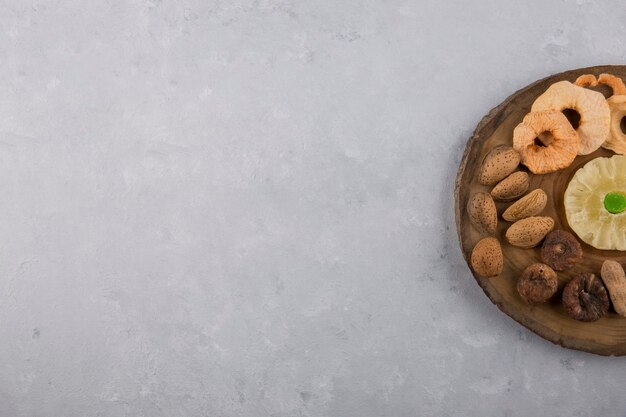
{"type": "Point", "coordinates": [541, 208]}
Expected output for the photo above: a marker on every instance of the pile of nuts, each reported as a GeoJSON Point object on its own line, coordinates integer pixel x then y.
{"type": "Point", "coordinates": [586, 297]}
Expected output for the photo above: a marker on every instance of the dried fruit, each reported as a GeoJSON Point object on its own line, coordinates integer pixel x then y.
{"type": "Point", "coordinates": [498, 164]}
{"type": "Point", "coordinates": [585, 203]}
{"type": "Point", "coordinates": [482, 213]}
{"type": "Point", "coordinates": [589, 80]}
{"type": "Point", "coordinates": [487, 259]}
{"type": "Point", "coordinates": [531, 204]}
{"type": "Point", "coordinates": [616, 141]}
{"type": "Point", "coordinates": [537, 284]}
{"type": "Point", "coordinates": [561, 250]}
{"type": "Point", "coordinates": [529, 232]}
{"type": "Point", "coordinates": [615, 282]}
{"type": "Point", "coordinates": [591, 105]}
{"type": "Point", "coordinates": [511, 187]}
{"type": "Point", "coordinates": [586, 80]}
{"type": "Point", "coordinates": [616, 83]}
{"type": "Point", "coordinates": [585, 298]}
{"type": "Point", "coordinates": [546, 157]}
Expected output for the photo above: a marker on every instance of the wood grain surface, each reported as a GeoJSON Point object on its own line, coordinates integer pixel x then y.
{"type": "Point", "coordinates": [606, 336]}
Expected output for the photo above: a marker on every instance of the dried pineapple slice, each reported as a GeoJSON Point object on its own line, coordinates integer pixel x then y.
{"type": "Point", "coordinates": [590, 195]}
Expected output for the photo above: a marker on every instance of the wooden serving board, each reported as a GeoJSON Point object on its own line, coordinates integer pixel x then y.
{"type": "Point", "coordinates": [606, 336]}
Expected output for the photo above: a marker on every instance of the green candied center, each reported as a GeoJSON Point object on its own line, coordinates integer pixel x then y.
{"type": "Point", "coordinates": [615, 202]}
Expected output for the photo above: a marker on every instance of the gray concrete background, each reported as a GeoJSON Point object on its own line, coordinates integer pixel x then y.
{"type": "Point", "coordinates": [244, 208]}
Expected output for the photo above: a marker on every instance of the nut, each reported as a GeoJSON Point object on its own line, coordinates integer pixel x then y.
{"type": "Point", "coordinates": [531, 204]}
{"type": "Point", "coordinates": [550, 156]}
{"type": "Point", "coordinates": [529, 232]}
{"type": "Point", "coordinates": [482, 213]}
{"type": "Point", "coordinates": [486, 259]}
{"type": "Point", "coordinates": [537, 284]}
{"type": "Point", "coordinates": [585, 298]}
{"type": "Point", "coordinates": [498, 164]}
{"type": "Point", "coordinates": [561, 250]}
{"type": "Point", "coordinates": [615, 281]}
{"type": "Point", "coordinates": [594, 112]}
{"type": "Point", "coordinates": [511, 187]}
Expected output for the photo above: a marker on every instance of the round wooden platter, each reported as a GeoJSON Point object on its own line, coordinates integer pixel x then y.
{"type": "Point", "coordinates": [606, 336]}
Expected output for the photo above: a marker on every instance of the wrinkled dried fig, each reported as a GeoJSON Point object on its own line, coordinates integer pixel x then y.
{"type": "Point", "coordinates": [585, 298]}
{"type": "Point", "coordinates": [537, 284]}
{"type": "Point", "coordinates": [561, 250]}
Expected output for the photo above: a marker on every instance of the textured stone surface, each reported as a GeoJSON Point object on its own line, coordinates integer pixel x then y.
{"type": "Point", "coordinates": [244, 208]}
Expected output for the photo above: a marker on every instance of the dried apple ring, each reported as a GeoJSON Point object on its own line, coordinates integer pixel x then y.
{"type": "Point", "coordinates": [616, 83]}
{"type": "Point", "coordinates": [542, 158]}
{"type": "Point", "coordinates": [617, 139]}
{"type": "Point", "coordinates": [595, 116]}
{"type": "Point", "coordinates": [586, 80]}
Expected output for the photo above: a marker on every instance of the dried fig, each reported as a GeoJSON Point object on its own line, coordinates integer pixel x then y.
{"type": "Point", "coordinates": [561, 250]}
{"type": "Point", "coordinates": [537, 284]}
{"type": "Point", "coordinates": [585, 298]}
